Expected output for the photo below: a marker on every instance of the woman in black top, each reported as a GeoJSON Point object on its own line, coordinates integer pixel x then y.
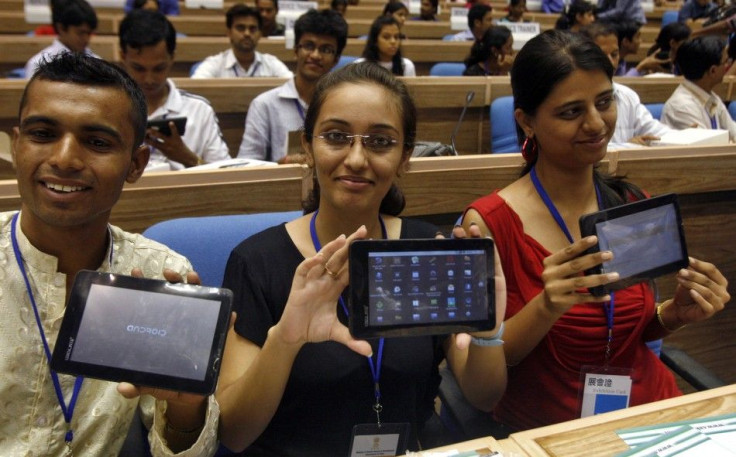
{"type": "Point", "coordinates": [293, 380]}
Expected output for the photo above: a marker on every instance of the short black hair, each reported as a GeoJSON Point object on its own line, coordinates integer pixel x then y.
{"type": "Point", "coordinates": [141, 28]}
{"type": "Point", "coordinates": [598, 29]}
{"type": "Point", "coordinates": [477, 12]}
{"type": "Point", "coordinates": [323, 22]}
{"type": "Point", "coordinates": [73, 12]}
{"type": "Point", "coordinates": [695, 57]}
{"type": "Point", "coordinates": [241, 10]}
{"type": "Point", "coordinates": [625, 29]}
{"type": "Point", "coordinates": [79, 68]}
{"type": "Point", "coordinates": [275, 4]}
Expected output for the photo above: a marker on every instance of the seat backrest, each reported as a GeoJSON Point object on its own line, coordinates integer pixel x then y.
{"type": "Point", "coordinates": [732, 110]}
{"type": "Point", "coordinates": [194, 67]}
{"type": "Point", "coordinates": [655, 109]}
{"type": "Point", "coordinates": [669, 17]}
{"type": "Point", "coordinates": [207, 241]}
{"type": "Point", "coordinates": [344, 60]}
{"type": "Point", "coordinates": [447, 69]}
{"type": "Point", "coordinates": [503, 125]}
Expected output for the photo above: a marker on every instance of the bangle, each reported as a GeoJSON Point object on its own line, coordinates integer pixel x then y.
{"type": "Point", "coordinates": [661, 322]}
{"type": "Point", "coordinates": [494, 340]}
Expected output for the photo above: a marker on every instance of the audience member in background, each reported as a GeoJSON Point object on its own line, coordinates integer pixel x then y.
{"type": "Point", "coordinates": [575, 16]}
{"type": "Point", "coordinates": [151, 5]}
{"type": "Point", "coordinates": [293, 380]}
{"type": "Point", "coordinates": [553, 6]}
{"type": "Point", "coordinates": [74, 22]}
{"type": "Point", "coordinates": [320, 37]}
{"type": "Point", "coordinates": [516, 9]}
{"type": "Point", "coordinates": [629, 41]}
{"type": "Point", "coordinates": [340, 6]}
{"type": "Point", "coordinates": [620, 10]}
{"type": "Point", "coordinates": [427, 11]}
{"type": "Point", "coordinates": [480, 18]}
{"type": "Point", "coordinates": [82, 122]}
{"type": "Point", "coordinates": [695, 12]}
{"type": "Point", "coordinates": [242, 60]}
{"type": "Point", "coordinates": [268, 10]}
{"type": "Point", "coordinates": [635, 125]}
{"type": "Point", "coordinates": [665, 46]}
{"type": "Point", "coordinates": [565, 113]}
{"type": "Point", "coordinates": [492, 55]}
{"type": "Point", "coordinates": [147, 45]}
{"type": "Point", "coordinates": [398, 11]}
{"type": "Point", "coordinates": [167, 7]}
{"type": "Point", "coordinates": [383, 47]}
{"type": "Point", "coordinates": [703, 62]}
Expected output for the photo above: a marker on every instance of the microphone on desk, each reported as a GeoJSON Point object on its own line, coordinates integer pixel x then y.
{"type": "Point", "coordinates": [468, 98]}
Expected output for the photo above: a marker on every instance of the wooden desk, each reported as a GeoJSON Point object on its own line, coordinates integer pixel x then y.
{"type": "Point", "coordinates": [596, 436]}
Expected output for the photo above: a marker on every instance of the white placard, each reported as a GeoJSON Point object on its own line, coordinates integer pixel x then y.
{"type": "Point", "coordinates": [37, 11]}
{"type": "Point", "coordinates": [522, 32]}
{"type": "Point", "coordinates": [458, 18]}
{"type": "Point", "coordinates": [293, 9]}
{"type": "Point", "coordinates": [204, 4]}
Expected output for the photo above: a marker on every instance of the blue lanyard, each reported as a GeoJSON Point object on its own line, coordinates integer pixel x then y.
{"type": "Point", "coordinates": [713, 122]}
{"type": "Point", "coordinates": [301, 114]}
{"type": "Point", "coordinates": [375, 367]}
{"type": "Point", "coordinates": [68, 411]}
{"type": "Point", "coordinates": [608, 307]}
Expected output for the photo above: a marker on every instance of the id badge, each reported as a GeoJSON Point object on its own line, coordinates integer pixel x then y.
{"type": "Point", "coordinates": [604, 389]}
{"type": "Point", "coordinates": [373, 440]}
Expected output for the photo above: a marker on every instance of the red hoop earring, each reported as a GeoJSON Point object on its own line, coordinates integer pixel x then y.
{"type": "Point", "coordinates": [529, 149]}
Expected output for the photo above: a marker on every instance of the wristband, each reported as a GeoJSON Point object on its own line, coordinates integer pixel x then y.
{"type": "Point", "coordinates": [661, 322]}
{"type": "Point", "coordinates": [494, 340]}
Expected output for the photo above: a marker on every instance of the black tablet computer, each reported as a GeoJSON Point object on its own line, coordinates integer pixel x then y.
{"type": "Point", "coordinates": [143, 331]}
{"type": "Point", "coordinates": [646, 237]}
{"type": "Point", "coordinates": [421, 287]}
{"type": "Point", "coordinates": [162, 124]}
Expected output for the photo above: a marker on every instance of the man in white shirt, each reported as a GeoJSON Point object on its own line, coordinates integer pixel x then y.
{"type": "Point", "coordinates": [82, 122]}
{"type": "Point", "coordinates": [147, 45]}
{"type": "Point", "coordinates": [635, 125]}
{"type": "Point", "coordinates": [480, 19]}
{"type": "Point", "coordinates": [703, 61]}
{"type": "Point", "coordinates": [242, 60]}
{"type": "Point", "coordinates": [74, 22]}
{"type": "Point", "coordinates": [320, 37]}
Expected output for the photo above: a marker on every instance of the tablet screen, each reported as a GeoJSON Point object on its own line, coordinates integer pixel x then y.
{"type": "Point", "coordinates": [641, 241]}
{"type": "Point", "coordinates": [160, 333]}
{"type": "Point", "coordinates": [427, 286]}
{"type": "Point", "coordinates": [421, 287]}
{"type": "Point", "coordinates": [143, 331]}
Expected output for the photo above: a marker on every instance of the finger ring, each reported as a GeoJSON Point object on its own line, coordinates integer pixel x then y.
{"type": "Point", "coordinates": [332, 274]}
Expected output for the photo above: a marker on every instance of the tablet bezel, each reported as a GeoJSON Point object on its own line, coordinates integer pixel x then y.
{"type": "Point", "coordinates": [74, 313]}
{"type": "Point", "coordinates": [360, 281]}
{"type": "Point", "coordinates": [588, 227]}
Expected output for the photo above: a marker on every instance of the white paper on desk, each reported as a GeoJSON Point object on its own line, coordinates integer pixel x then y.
{"type": "Point", "coordinates": [693, 136]}
{"type": "Point", "coordinates": [232, 163]}
{"type": "Point", "coordinates": [719, 428]}
{"type": "Point", "coordinates": [682, 442]}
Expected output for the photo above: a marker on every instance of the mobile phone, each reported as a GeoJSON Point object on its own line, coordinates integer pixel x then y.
{"type": "Point", "coordinates": [162, 124]}
{"type": "Point", "coordinates": [421, 287]}
{"type": "Point", "coordinates": [646, 237]}
{"type": "Point", "coordinates": [143, 331]}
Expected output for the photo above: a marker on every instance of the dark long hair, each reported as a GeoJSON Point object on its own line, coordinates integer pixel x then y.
{"type": "Point", "coordinates": [568, 16]}
{"type": "Point", "coordinates": [370, 52]}
{"type": "Point", "coordinates": [495, 37]}
{"type": "Point", "coordinates": [545, 61]}
{"type": "Point", "coordinates": [365, 73]}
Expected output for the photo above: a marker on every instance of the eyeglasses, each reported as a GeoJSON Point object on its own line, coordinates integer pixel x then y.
{"type": "Point", "coordinates": [325, 50]}
{"type": "Point", "coordinates": [375, 142]}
